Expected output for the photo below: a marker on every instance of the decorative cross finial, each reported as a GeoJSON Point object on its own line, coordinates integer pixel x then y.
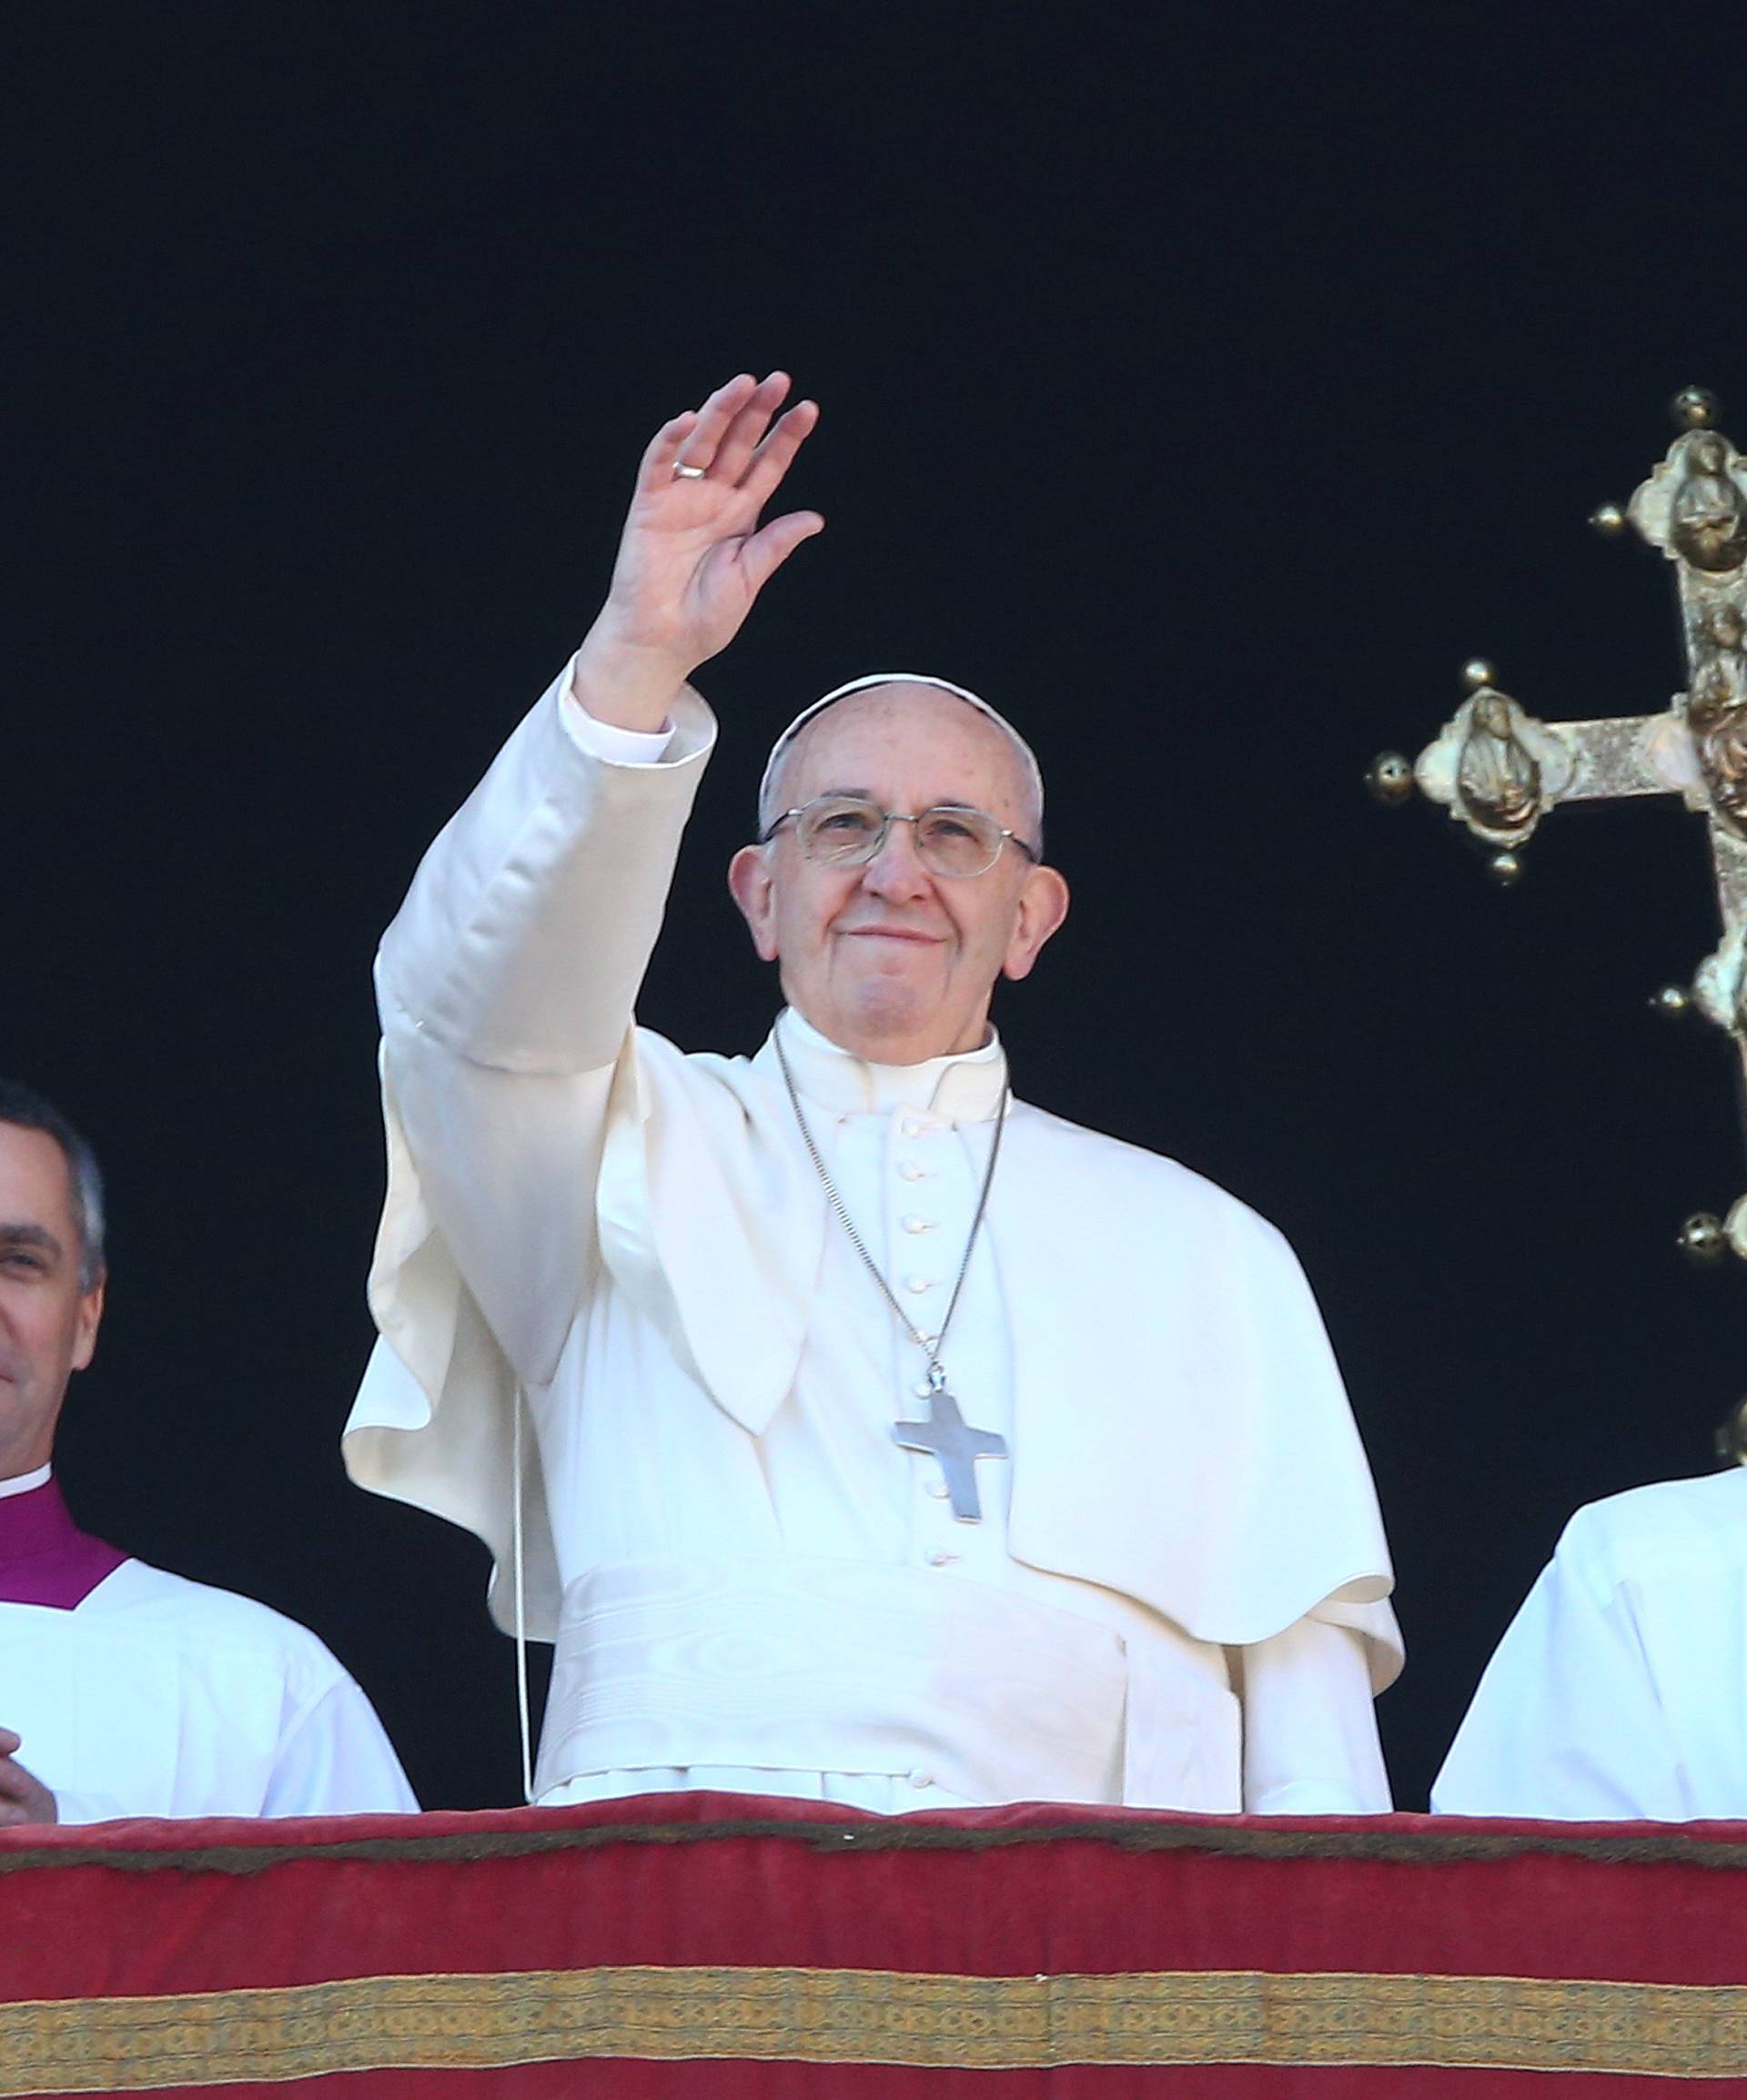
{"type": "Point", "coordinates": [1500, 770]}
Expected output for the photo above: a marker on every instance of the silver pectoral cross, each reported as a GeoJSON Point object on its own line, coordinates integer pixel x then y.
{"type": "Point", "coordinates": [949, 1438]}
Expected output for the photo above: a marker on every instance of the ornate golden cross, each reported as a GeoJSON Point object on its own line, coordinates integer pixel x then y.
{"type": "Point", "coordinates": [1498, 770]}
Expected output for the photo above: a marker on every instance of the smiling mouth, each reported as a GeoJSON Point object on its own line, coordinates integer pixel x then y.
{"type": "Point", "coordinates": [894, 933]}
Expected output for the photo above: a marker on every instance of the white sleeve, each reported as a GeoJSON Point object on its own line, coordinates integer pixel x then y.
{"type": "Point", "coordinates": [336, 1759]}
{"type": "Point", "coordinates": [506, 984]}
{"type": "Point", "coordinates": [606, 739]}
{"type": "Point", "coordinates": [523, 939]}
{"type": "Point", "coordinates": [1566, 1722]}
{"type": "Point", "coordinates": [1310, 1744]}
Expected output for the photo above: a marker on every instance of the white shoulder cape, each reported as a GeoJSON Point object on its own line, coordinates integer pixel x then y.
{"type": "Point", "coordinates": [1181, 1430]}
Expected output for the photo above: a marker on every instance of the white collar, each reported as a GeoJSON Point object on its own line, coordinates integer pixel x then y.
{"type": "Point", "coordinates": [964, 1086]}
{"type": "Point", "coordinates": [22, 1483]}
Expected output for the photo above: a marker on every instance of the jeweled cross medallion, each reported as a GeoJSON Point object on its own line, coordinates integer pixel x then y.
{"type": "Point", "coordinates": [949, 1438]}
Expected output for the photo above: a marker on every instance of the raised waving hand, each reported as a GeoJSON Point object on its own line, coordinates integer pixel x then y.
{"type": "Point", "coordinates": [693, 555]}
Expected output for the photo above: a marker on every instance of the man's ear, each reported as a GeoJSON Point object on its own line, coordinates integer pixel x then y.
{"type": "Point", "coordinates": [1043, 905]}
{"type": "Point", "coordinates": [85, 1338]}
{"type": "Point", "coordinates": [753, 888]}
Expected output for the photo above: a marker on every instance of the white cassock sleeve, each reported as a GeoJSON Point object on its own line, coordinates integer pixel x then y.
{"type": "Point", "coordinates": [336, 1759]}
{"type": "Point", "coordinates": [606, 739]}
{"type": "Point", "coordinates": [155, 1696]}
{"type": "Point", "coordinates": [506, 993]}
{"type": "Point", "coordinates": [1566, 1722]}
{"type": "Point", "coordinates": [1310, 1744]}
{"type": "Point", "coordinates": [507, 982]}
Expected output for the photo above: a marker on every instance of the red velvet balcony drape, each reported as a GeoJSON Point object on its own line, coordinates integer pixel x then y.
{"type": "Point", "coordinates": [719, 1946]}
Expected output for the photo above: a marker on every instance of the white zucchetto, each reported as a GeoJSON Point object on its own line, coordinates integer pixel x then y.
{"type": "Point", "coordinates": [779, 750]}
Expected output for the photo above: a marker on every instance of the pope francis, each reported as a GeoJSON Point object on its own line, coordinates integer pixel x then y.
{"type": "Point", "coordinates": [858, 1431]}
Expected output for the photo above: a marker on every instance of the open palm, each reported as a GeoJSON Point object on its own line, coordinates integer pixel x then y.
{"type": "Point", "coordinates": [694, 556]}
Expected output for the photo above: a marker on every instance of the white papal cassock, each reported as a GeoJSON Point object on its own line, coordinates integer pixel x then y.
{"type": "Point", "coordinates": [155, 1696]}
{"type": "Point", "coordinates": [1619, 1689]}
{"type": "Point", "coordinates": [1176, 1596]}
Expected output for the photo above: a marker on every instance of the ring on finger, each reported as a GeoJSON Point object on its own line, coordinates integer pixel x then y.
{"type": "Point", "coordinates": [685, 471]}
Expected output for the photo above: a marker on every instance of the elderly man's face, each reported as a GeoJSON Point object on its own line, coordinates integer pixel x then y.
{"type": "Point", "coordinates": [48, 1320]}
{"type": "Point", "coordinates": [887, 960]}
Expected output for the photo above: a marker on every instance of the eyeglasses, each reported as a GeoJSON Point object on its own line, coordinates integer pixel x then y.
{"type": "Point", "coordinates": [848, 831]}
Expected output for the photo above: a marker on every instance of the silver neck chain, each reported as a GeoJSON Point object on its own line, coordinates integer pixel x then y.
{"type": "Point", "coordinates": [930, 1345]}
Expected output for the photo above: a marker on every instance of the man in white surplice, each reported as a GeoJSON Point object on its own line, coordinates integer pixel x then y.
{"type": "Point", "coordinates": [1619, 1689]}
{"type": "Point", "coordinates": [125, 1690]}
{"type": "Point", "coordinates": [1173, 1591]}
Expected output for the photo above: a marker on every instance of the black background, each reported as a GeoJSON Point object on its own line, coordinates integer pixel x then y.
{"type": "Point", "coordinates": [1205, 387]}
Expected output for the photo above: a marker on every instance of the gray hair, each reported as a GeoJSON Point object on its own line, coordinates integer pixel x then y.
{"type": "Point", "coordinates": [25, 1109]}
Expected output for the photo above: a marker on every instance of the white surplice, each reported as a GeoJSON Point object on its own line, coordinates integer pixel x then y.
{"type": "Point", "coordinates": [155, 1696]}
{"type": "Point", "coordinates": [1175, 1596]}
{"type": "Point", "coordinates": [1619, 1689]}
